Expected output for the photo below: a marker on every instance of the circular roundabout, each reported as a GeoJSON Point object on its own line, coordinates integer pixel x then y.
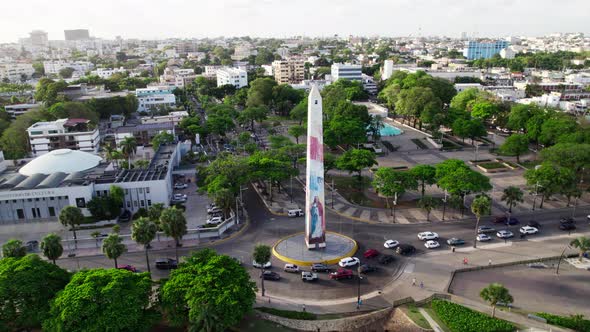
{"type": "Point", "coordinates": [292, 249]}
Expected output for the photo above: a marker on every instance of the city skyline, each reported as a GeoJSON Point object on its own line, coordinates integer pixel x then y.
{"type": "Point", "coordinates": [267, 19]}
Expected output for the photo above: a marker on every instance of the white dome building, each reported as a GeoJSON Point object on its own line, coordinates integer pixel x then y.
{"type": "Point", "coordinates": [62, 160]}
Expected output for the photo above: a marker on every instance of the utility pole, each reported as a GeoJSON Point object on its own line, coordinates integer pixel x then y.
{"type": "Point", "coordinates": [358, 298]}
{"type": "Point", "coordinates": [444, 205]}
{"type": "Point", "coordinates": [536, 194]}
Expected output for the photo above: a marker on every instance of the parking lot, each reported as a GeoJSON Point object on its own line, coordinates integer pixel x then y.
{"type": "Point", "coordinates": [196, 204]}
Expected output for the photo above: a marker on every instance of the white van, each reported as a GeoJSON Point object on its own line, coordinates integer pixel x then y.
{"type": "Point", "coordinates": [295, 213]}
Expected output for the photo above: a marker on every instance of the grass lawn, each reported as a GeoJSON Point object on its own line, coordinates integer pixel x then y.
{"type": "Point", "coordinates": [350, 188]}
{"type": "Point", "coordinates": [492, 165]}
{"type": "Point", "coordinates": [433, 315]}
{"type": "Point", "coordinates": [416, 316]}
{"type": "Point", "coordinates": [530, 163]}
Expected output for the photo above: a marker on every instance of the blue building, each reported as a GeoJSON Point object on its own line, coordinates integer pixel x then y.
{"type": "Point", "coordinates": [483, 50]}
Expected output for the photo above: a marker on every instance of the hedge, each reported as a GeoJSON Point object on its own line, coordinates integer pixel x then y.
{"type": "Point", "coordinates": [578, 324]}
{"type": "Point", "coordinates": [302, 315]}
{"type": "Point", "coordinates": [461, 319]}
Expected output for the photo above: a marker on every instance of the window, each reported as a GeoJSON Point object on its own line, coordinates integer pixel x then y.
{"type": "Point", "coordinates": [52, 131]}
{"type": "Point", "coordinates": [98, 193]}
{"type": "Point", "coordinates": [140, 190]}
{"type": "Point", "coordinates": [135, 203]}
{"type": "Point", "coordinates": [51, 211]}
{"type": "Point", "coordinates": [128, 204]}
{"type": "Point", "coordinates": [29, 199]}
{"type": "Point", "coordinates": [147, 190]}
{"type": "Point", "coordinates": [149, 202]}
{"type": "Point", "coordinates": [36, 133]}
{"type": "Point", "coordinates": [51, 198]}
{"type": "Point", "coordinates": [142, 203]}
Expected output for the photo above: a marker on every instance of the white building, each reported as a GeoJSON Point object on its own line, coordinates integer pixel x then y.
{"type": "Point", "coordinates": [464, 86]}
{"type": "Point", "coordinates": [105, 73]}
{"type": "Point", "coordinates": [234, 76]}
{"type": "Point", "coordinates": [75, 134]}
{"type": "Point", "coordinates": [15, 72]}
{"type": "Point", "coordinates": [53, 67]}
{"type": "Point", "coordinates": [154, 97]}
{"type": "Point", "coordinates": [174, 117]}
{"type": "Point", "coordinates": [369, 84]}
{"type": "Point", "coordinates": [19, 109]}
{"type": "Point", "coordinates": [211, 71]}
{"type": "Point", "coordinates": [387, 69]}
{"type": "Point", "coordinates": [178, 77]}
{"type": "Point", "coordinates": [346, 71]}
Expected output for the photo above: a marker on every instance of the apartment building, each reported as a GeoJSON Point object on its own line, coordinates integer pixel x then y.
{"type": "Point", "coordinates": [234, 76]}
{"type": "Point", "coordinates": [174, 117]}
{"type": "Point", "coordinates": [19, 109]}
{"type": "Point", "coordinates": [154, 97]}
{"type": "Point", "coordinates": [178, 77]}
{"type": "Point", "coordinates": [288, 71]}
{"type": "Point", "coordinates": [53, 67]}
{"type": "Point", "coordinates": [346, 71]}
{"type": "Point", "coordinates": [15, 72]}
{"type": "Point", "coordinates": [105, 73]}
{"type": "Point", "coordinates": [74, 134]}
{"type": "Point", "coordinates": [483, 50]}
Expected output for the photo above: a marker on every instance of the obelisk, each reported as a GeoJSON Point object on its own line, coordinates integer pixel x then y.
{"type": "Point", "coordinates": [315, 220]}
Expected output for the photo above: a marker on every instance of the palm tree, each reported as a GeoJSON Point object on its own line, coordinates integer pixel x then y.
{"type": "Point", "coordinates": [117, 155]}
{"type": "Point", "coordinates": [480, 206]}
{"type": "Point", "coordinates": [427, 203]}
{"type": "Point", "coordinates": [51, 247]}
{"type": "Point", "coordinates": [495, 293]}
{"type": "Point", "coordinates": [109, 150]}
{"type": "Point", "coordinates": [583, 244]}
{"type": "Point", "coordinates": [512, 196]}
{"type": "Point", "coordinates": [71, 216]}
{"type": "Point", "coordinates": [128, 147]}
{"type": "Point", "coordinates": [113, 247]}
{"type": "Point", "coordinates": [261, 256]}
{"type": "Point", "coordinates": [206, 320]}
{"type": "Point", "coordinates": [143, 232]}
{"type": "Point", "coordinates": [173, 223]}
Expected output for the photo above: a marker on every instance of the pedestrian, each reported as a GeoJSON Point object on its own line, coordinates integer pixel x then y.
{"type": "Point", "coordinates": [304, 308]}
{"type": "Point", "coordinates": [421, 284]}
{"type": "Point", "coordinates": [413, 281]}
{"type": "Point", "coordinates": [464, 260]}
{"type": "Point", "coordinates": [490, 262]}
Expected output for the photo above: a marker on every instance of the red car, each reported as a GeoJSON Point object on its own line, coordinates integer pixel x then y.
{"type": "Point", "coordinates": [341, 274]}
{"type": "Point", "coordinates": [371, 253]}
{"type": "Point", "coordinates": [129, 268]}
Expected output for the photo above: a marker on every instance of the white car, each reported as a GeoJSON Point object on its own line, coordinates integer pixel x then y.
{"type": "Point", "coordinates": [349, 261]}
{"type": "Point", "coordinates": [291, 268]}
{"type": "Point", "coordinates": [214, 209]}
{"type": "Point", "coordinates": [483, 237]}
{"type": "Point", "coordinates": [215, 220]}
{"type": "Point", "coordinates": [179, 196]}
{"type": "Point", "coordinates": [528, 230]}
{"type": "Point", "coordinates": [180, 186]}
{"type": "Point", "coordinates": [390, 244]}
{"type": "Point", "coordinates": [504, 234]}
{"type": "Point", "coordinates": [431, 244]}
{"type": "Point", "coordinates": [259, 266]}
{"type": "Point", "coordinates": [427, 236]}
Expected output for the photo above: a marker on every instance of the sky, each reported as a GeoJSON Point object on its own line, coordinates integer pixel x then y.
{"type": "Point", "coordinates": [160, 19]}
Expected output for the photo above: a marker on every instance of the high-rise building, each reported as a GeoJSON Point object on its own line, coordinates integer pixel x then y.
{"type": "Point", "coordinates": [234, 76]}
{"type": "Point", "coordinates": [483, 50]}
{"type": "Point", "coordinates": [39, 38]}
{"type": "Point", "coordinates": [387, 69]}
{"type": "Point", "coordinates": [288, 71]}
{"type": "Point", "coordinates": [347, 71]}
{"type": "Point", "coordinates": [77, 34]}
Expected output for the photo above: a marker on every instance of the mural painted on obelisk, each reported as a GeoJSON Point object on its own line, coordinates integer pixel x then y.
{"type": "Point", "coordinates": [315, 222]}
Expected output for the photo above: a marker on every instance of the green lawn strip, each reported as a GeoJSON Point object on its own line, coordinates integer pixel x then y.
{"type": "Point", "coordinates": [462, 319]}
{"type": "Point", "coordinates": [419, 143]}
{"type": "Point", "coordinates": [530, 163]}
{"type": "Point", "coordinates": [574, 322]}
{"type": "Point", "coordinates": [416, 316]}
{"type": "Point", "coordinates": [437, 319]}
{"type": "Point", "coordinates": [492, 165]}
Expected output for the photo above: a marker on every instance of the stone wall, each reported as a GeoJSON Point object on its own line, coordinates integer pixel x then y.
{"type": "Point", "coordinates": [399, 322]}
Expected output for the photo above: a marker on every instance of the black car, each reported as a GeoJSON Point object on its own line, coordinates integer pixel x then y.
{"type": "Point", "coordinates": [125, 216]}
{"type": "Point", "coordinates": [386, 259]}
{"type": "Point", "coordinates": [568, 220]}
{"type": "Point", "coordinates": [166, 263]}
{"type": "Point", "coordinates": [367, 268]}
{"type": "Point", "coordinates": [455, 242]}
{"type": "Point", "coordinates": [32, 245]}
{"type": "Point", "coordinates": [270, 275]}
{"type": "Point", "coordinates": [319, 267]}
{"type": "Point", "coordinates": [533, 223]}
{"type": "Point", "coordinates": [405, 249]}
{"type": "Point", "coordinates": [567, 227]}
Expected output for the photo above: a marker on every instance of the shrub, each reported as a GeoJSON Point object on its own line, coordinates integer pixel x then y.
{"type": "Point", "coordinates": [461, 319]}
{"type": "Point", "coordinates": [573, 322]}
{"type": "Point", "coordinates": [302, 315]}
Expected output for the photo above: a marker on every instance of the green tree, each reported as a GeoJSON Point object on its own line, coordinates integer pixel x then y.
{"type": "Point", "coordinates": [481, 205]}
{"type": "Point", "coordinates": [208, 292]}
{"type": "Point", "coordinates": [412, 103]}
{"type": "Point", "coordinates": [143, 231]}
{"type": "Point", "coordinates": [457, 178]}
{"type": "Point", "coordinates": [515, 145]}
{"type": "Point", "coordinates": [549, 179]}
{"type": "Point", "coordinates": [104, 207]}
{"type": "Point", "coordinates": [296, 131]}
{"type": "Point", "coordinates": [155, 211]}
{"type": "Point", "coordinates": [512, 196]}
{"type": "Point", "coordinates": [393, 184]}
{"type": "Point", "coordinates": [118, 195]}
{"type": "Point", "coordinates": [344, 130]}
{"type": "Point", "coordinates": [52, 247]}
{"type": "Point", "coordinates": [103, 300]}
{"type": "Point", "coordinates": [583, 244]}
{"type": "Point", "coordinates": [251, 114]}
{"type": "Point", "coordinates": [496, 293]}
{"type": "Point", "coordinates": [425, 174]}
{"type": "Point", "coordinates": [299, 112]}
{"type": "Point", "coordinates": [129, 147]}
{"type": "Point", "coordinates": [162, 138]}
{"type": "Point", "coordinates": [555, 127]}
{"type": "Point", "coordinates": [472, 128]}
{"type": "Point", "coordinates": [261, 255]}
{"type": "Point", "coordinates": [570, 155]}
{"type": "Point", "coordinates": [427, 203]}
{"type": "Point", "coordinates": [484, 110]}
{"type": "Point", "coordinates": [463, 98]}
{"type": "Point", "coordinates": [355, 160]}
{"type": "Point", "coordinates": [27, 285]}
{"type": "Point", "coordinates": [113, 247]}
{"type": "Point", "coordinates": [14, 248]}
{"type": "Point", "coordinates": [71, 217]}
{"type": "Point", "coordinates": [173, 224]}
{"type": "Point", "coordinates": [267, 166]}
{"type": "Point", "coordinates": [261, 92]}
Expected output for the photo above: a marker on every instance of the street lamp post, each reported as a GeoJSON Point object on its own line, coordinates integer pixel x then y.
{"type": "Point", "coordinates": [444, 205]}
{"type": "Point", "coordinates": [394, 205]}
{"type": "Point", "coordinates": [476, 151]}
{"type": "Point", "coordinates": [537, 185]}
{"type": "Point", "coordinates": [291, 180]}
{"type": "Point", "coordinates": [560, 257]}
{"type": "Point", "coordinates": [358, 299]}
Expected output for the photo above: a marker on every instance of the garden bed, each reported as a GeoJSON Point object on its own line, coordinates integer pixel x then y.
{"type": "Point", "coordinates": [450, 145]}
{"type": "Point", "coordinates": [492, 167]}
{"type": "Point", "coordinates": [462, 319]}
{"type": "Point", "coordinates": [419, 143]}
{"type": "Point", "coordinates": [577, 323]}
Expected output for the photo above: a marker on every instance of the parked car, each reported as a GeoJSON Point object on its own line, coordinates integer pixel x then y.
{"type": "Point", "coordinates": [431, 244]}
{"type": "Point", "coordinates": [32, 245]}
{"type": "Point", "coordinates": [427, 236]}
{"type": "Point", "coordinates": [125, 216]}
{"type": "Point", "coordinates": [483, 237]}
{"type": "Point", "coordinates": [386, 259]}
{"type": "Point", "coordinates": [213, 209]}
{"type": "Point", "coordinates": [367, 268]}
{"type": "Point", "coordinates": [535, 224]}
{"type": "Point", "coordinates": [214, 220]}
{"type": "Point", "coordinates": [295, 213]}
{"type": "Point", "coordinates": [371, 253]}
{"type": "Point", "coordinates": [319, 267]}
{"type": "Point", "coordinates": [180, 185]}
{"type": "Point", "coordinates": [405, 249]}
{"type": "Point", "coordinates": [512, 221]}
{"type": "Point", "coordinates": [567, 227]}
{"type": "Point", "coordinates": [349, 261]}
{"type": "Point", "coordinates": [180, 196]}
{"type": "Point", "coordinates": [291, 268]}
{"type": "Point", "coordinates": [341, 274]}
{"type": "Point", "coordinates": [528, 230]}
{"type": "Point", "coordinates": [259, 266]}
{"type": "Point", "coordinates": [567, 220]}
{"type": "Point", "coordinates": [485, 229]}
{"type": "Point", "coordinates": [390, 244]}
{"type": "Point", "coordinates": [129, 268]}
{"type": "Point", "coordinates": [166, 263]}
{"type": "Point", "coordinates": [309, 276]}
{"type": "Point", "coordinates": [455, 241]}
{"type": "Point", "coordinates": [504, 234]}
{"type": "Point", "coordinates": [270, 275]}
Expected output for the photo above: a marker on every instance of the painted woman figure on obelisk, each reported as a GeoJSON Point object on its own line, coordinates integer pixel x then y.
{"type": "Point", "coordinates": [315, 220]}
